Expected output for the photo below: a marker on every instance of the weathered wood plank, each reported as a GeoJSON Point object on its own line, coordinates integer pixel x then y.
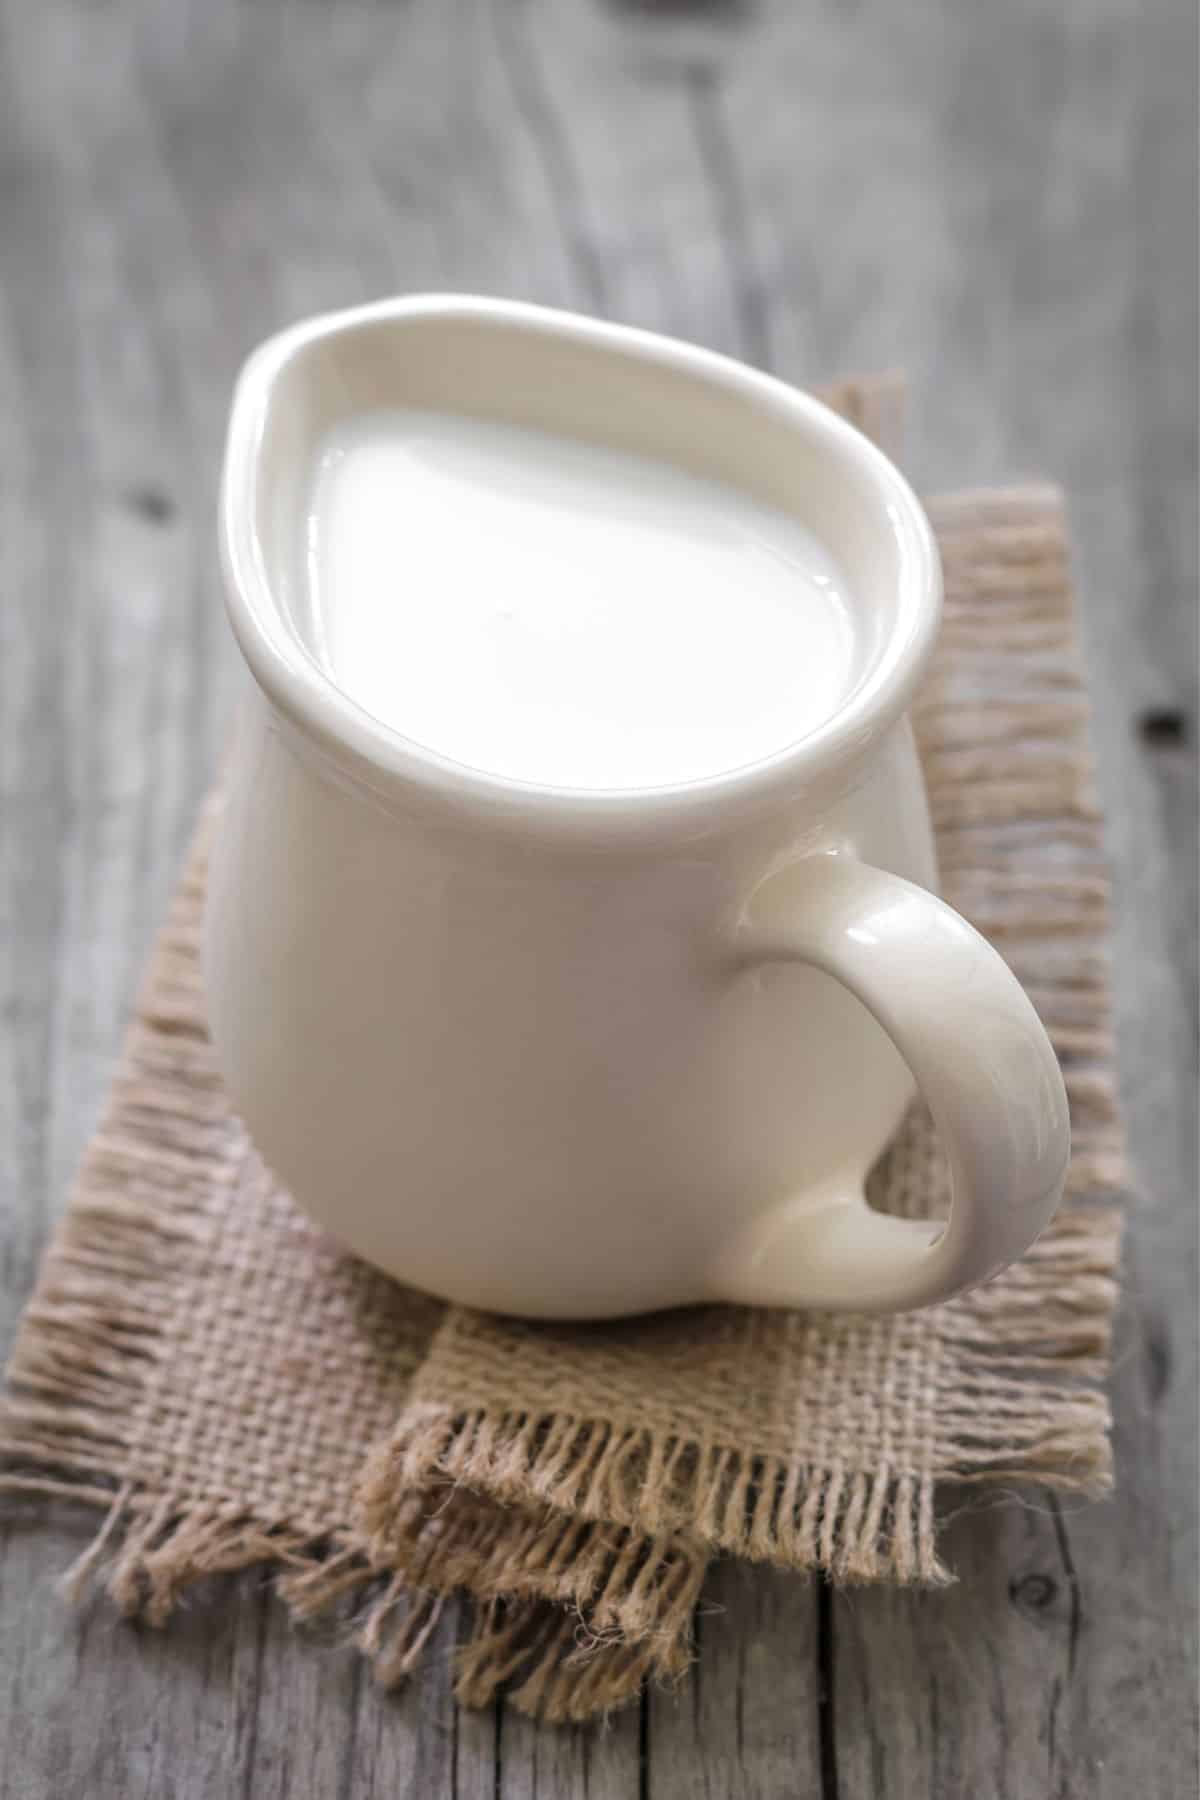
{"type": "Point", "coordinates": [747, 1721]}
{"type": "Point", "coordinates": [1065, 1663]}
{"type": "Point", "coordinates": [1001, 200]}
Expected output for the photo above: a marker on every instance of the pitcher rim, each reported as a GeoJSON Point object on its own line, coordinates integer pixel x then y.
{"type": "Point", "coordinates": [398, 768]}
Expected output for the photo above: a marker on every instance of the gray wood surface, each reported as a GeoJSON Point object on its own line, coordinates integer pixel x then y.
{"type": "Point", "coordinates": [1000, 199]}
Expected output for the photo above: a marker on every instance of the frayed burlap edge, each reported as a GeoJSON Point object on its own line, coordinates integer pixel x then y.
{"type": "Point", "coordinates": [572, 1614]}
{"type": "Point", "coordinates": [853, 1524]}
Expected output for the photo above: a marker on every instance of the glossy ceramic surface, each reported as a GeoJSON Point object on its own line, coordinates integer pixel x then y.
{"type": "Point", "coordinates": [573, 1054]}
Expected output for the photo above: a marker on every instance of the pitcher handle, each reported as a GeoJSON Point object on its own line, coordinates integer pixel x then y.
{"type": "Point", "coordinates": [980, 1057]}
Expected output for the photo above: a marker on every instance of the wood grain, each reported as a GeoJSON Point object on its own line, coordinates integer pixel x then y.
{"type": "Point", "coordinates": [999, 199]}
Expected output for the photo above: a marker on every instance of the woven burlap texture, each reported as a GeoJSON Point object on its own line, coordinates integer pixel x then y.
{"type": "Point", "coordinates": [217, 1375]}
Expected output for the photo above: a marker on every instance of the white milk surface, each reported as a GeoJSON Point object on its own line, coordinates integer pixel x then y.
{"type": "Point", "coordinates": [564, 614]}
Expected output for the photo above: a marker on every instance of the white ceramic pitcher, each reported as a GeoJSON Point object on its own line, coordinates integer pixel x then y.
{"type": "Point", "coordinates": [575, 1054]}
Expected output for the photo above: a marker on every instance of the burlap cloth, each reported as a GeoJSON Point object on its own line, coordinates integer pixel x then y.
{"type": "Point", "coordinates": [232, 1388]}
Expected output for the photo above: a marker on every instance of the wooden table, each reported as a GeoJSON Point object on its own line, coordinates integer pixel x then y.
{"type": "Point", "coordinates": [998, 198]}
